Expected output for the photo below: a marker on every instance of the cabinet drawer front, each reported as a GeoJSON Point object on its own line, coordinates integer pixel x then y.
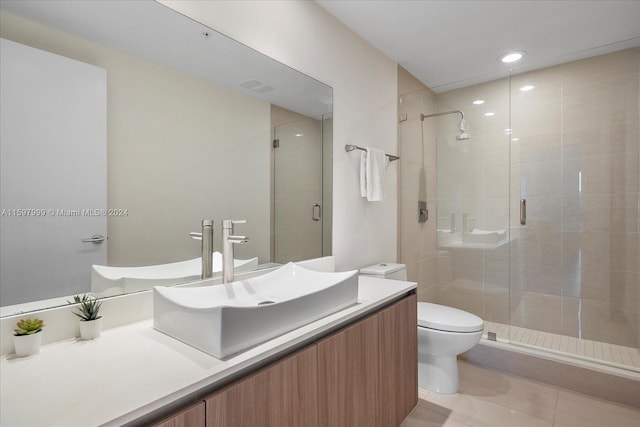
{"type": "Point", "coordinates": [347, 376]}
{"type": "Point", "coordinates": [398, 367]}
{"type": "Point", "coordinates": [283, 394]}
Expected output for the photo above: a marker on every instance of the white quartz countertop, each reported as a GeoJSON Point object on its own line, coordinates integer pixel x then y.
{"type": "Point", "coordinates": [134, 370]}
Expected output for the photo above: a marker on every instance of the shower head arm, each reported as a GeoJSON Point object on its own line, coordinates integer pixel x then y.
{"type": "Point", "coordinates": [426, 116]}
{"type": "Point", "coordinates": [463, 135]}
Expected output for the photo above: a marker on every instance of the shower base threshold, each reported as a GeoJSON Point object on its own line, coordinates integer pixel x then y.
{"type": "Point", "coordinates": [613, 355]}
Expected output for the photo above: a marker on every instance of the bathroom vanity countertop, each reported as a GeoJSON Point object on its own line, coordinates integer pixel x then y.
{"type": "Point", "coordinates": [132, 371]}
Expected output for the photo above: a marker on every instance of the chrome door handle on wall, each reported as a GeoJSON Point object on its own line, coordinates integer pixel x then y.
{"type": "Point", "coordinates": [523, 211]}
{"type": "Point", "coordinates": [96, 238]}
{"type": "Point", "coordinates": [316, 209]}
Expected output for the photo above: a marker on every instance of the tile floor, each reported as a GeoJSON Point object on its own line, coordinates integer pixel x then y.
{"type": "Point", "coordinates": [492, 398]}
{"type": "Point", "coordinates": [615, 355]}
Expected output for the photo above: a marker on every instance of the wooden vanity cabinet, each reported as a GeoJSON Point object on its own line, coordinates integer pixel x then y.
{"type": "Point", "coordinates": [398, 365]}
{"type": "Point", "coordinates": [363, 375]}
{"type": "Point", "coordinates": [348, 376]}
{"type": "Point", "coordinates": [368, 372]}
{"type": "Point", "coordinates": [282, 394]}
{"type": "Point", "coordinates": [192, 416]}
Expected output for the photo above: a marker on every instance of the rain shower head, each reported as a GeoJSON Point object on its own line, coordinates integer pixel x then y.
{"type": "Point", "coordinates": [462, 128]}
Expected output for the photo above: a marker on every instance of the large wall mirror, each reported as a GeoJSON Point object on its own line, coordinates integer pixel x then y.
{"type": "Point", "coordinates": [124, 124]}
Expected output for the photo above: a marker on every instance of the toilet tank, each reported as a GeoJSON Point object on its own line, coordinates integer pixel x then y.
{"type": "Point", "coordinates": [386, 271]}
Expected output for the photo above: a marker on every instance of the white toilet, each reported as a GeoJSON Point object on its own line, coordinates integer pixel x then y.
{"type": "Point", "coordinates": [443, 333]}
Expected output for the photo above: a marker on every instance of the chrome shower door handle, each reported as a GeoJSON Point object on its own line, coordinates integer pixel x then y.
{"type": "Point", "coordinates": [523, 211]}
{"type": "Point", "coordinates": [316, 208]}
{"type": "Point", "coordinates": [96, 238]}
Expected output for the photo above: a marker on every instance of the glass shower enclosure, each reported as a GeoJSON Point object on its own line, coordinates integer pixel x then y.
{"type": "Point", "coordinates": [538, 213]}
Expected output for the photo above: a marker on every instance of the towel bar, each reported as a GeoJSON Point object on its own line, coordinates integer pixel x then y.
{"type": "Point", "coordinates": [350, 147]}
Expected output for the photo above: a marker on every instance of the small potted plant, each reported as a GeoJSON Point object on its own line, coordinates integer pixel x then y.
{"type": "Point", "coordinates": [90, 322]}
{"type": "Point", "coordinates": [27, 338]}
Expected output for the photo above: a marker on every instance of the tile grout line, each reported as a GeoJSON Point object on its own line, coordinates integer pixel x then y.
{"type": "Point", "coordinates": [555, 407]}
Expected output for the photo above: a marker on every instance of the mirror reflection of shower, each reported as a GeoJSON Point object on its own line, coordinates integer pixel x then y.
{"type": "Point", "coordinates": [462, 127]}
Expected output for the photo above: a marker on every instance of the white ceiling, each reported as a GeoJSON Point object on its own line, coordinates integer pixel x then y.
{"type": "Point", "coordinates": [453, 44]}
{"type": "Point", "coordinates": [151, 31]}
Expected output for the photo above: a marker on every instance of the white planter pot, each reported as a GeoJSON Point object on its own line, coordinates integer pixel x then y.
{"type": "Point", "coordinates": [90, 329]}
{"type": "Point", "coordinates": [26, 345]}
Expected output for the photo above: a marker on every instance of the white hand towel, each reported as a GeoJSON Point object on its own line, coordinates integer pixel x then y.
{"type": "Point", "coordinates": [363, 174]}
{"type": "Point", "coordinates": [375, 166]}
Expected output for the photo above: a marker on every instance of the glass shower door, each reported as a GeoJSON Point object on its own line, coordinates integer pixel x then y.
{"type": "Point", "coordinates": [473, 203]}
{"type": "Point", "coordinates": [537, 303]}
{"type": "Point", "coordinates": [575, 159]}
{"type": "Point", "coordinates": [298, 190]}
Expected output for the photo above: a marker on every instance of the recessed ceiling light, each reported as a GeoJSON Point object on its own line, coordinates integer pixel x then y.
{"type": "Point", "coordinates": [489, 114]}
{"type": "Point", "coordinates": [526, 88]}
{"type": "Point", "coordinates": [507, 131]}
{"type": "Point", "coordinates": [478, 102]}
{"type": "Point", "coordinates": [515, 139]}
{"type": "Point", "coordinates": [299, 134]}
{"type": "Point", "coordinates": [510, 57]}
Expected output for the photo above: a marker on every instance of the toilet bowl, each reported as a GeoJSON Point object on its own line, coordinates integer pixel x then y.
{"type": "Point", "coordinates": [443, 333]}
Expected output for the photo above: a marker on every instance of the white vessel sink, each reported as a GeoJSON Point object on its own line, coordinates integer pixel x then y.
{"type": "Point", "coordinates": [445, 237]}
{"type": "Point", "coordinates": [107, 281]}
{"type": "Point", "coordinates": [484, 236]}
{"type": "Point", "coordinates": [225, 319]}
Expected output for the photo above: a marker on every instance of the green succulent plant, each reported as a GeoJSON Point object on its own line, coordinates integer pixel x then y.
{"type": "Point", "coordinates": [89, 307]}
{"type": "Point", "coordinates": [28, 327]}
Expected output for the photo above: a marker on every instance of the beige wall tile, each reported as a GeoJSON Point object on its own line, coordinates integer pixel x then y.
{"type": "Point", "coordinates": [536, 311]}
{"type": "Point", "coordinates": [587, 249]}
{"type": "Point", "coordinates": [416, 147]}
{"type": "Point", "coordinates": [539, 143]}
{"type": "Point", "coordinates": [602, 66]}
{"type": "Point", "coordinates": [625, 214]}
{"type": "Point", "coordinates": [595, 102]}
{"type": "Point", "coordinates": [619, 134]}
{"type": "Point", "coordinates": [625, 251]}
{"type": "Point", "coordinates": [536, 178]}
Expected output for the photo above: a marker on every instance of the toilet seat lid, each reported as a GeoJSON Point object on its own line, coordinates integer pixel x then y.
{"type": "Point", "coordinates": [443, 318]}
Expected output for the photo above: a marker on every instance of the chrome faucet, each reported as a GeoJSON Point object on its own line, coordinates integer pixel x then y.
{"type": "Point", "coordinates": [465, 223]}
{"type": "Point", "coordinates": [207, 247]}
{"type": "Point", "coordinates": [228, 240]}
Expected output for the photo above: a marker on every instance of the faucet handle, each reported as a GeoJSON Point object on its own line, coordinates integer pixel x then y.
{"type": "Point", "coordinates": [229, 223]}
